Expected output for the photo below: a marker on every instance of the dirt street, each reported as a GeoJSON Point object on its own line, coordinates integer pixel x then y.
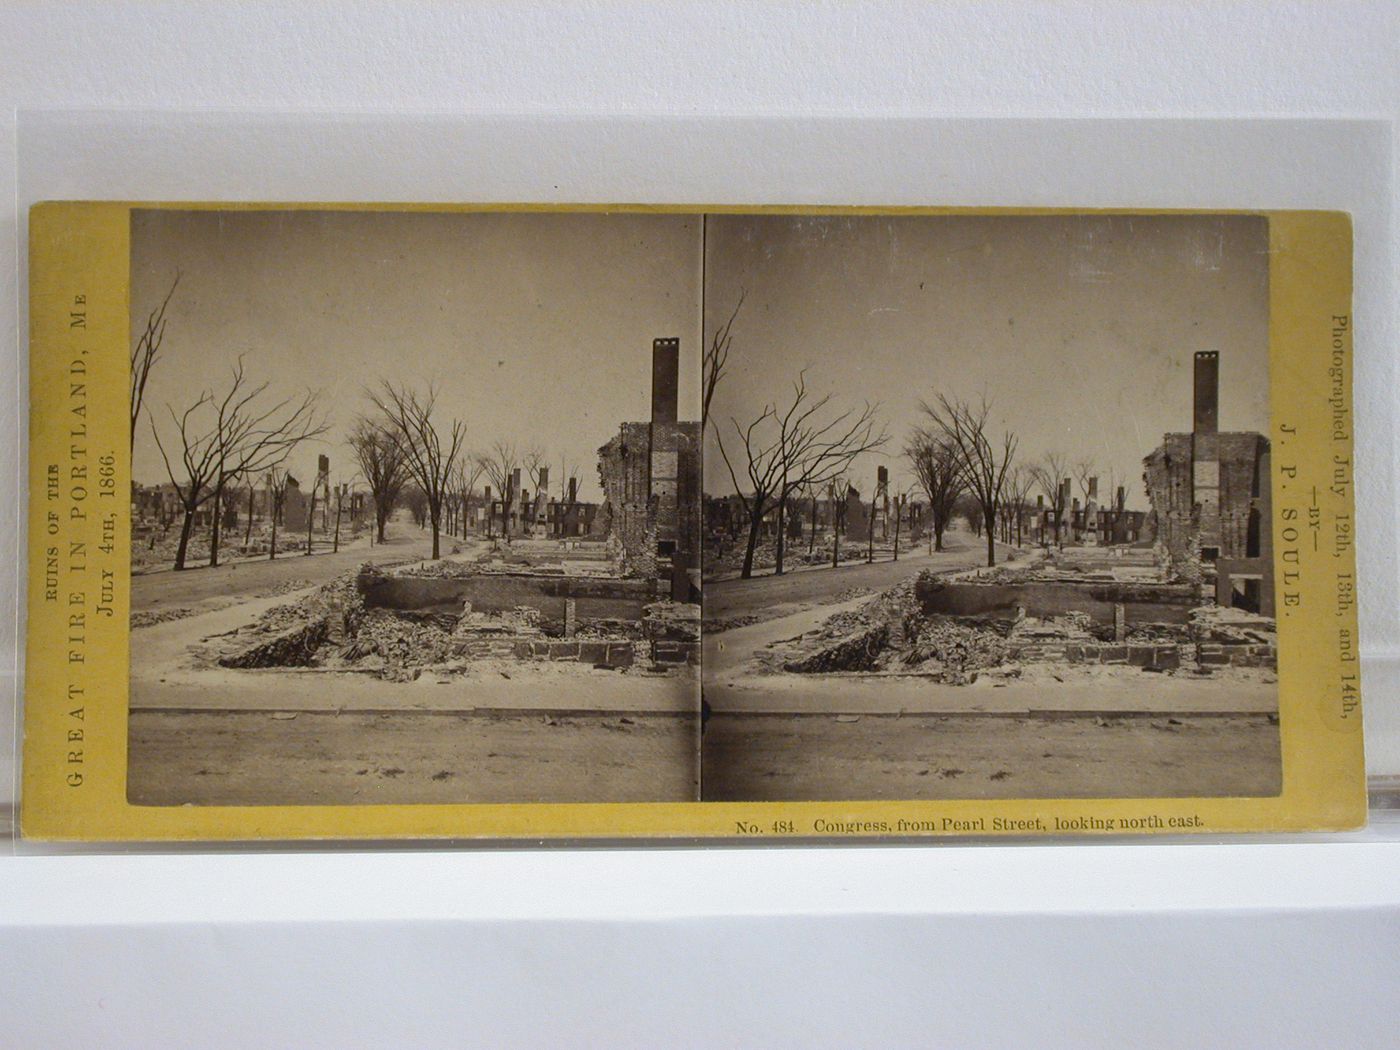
{"type": "Point", "coordinates": [787, 757]}
{"type": "Point", "coordinates": [322, 758]}
{"type": "Point", "coordinates": [771, 596]}
{"type": "Point", "coordinates": [202, 586]}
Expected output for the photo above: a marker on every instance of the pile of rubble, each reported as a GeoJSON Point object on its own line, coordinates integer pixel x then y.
{"type": "Point", "coordinates": [338, 602]}
{"type": "Point", "coordinates": [397, 641]}
{"type": "Point", "coordinates": [954, 651]}
{"type": "Point", "coordinates": [151, 617]}
{"type": "Point", "coordinates": [674, 620]}
{"type": "Point", "coordinates": [1215, 623]}
{"type": "Point", "coordinates": [331, 627]}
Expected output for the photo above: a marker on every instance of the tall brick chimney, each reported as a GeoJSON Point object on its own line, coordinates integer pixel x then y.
{"type": "Point", "coordinates": [543, 486]}
{"type": "Point", "coordinates": [1094, 488]}
{"type": "Point", "coordinates": [573, 490]}
{"type": "Point", "coordinates": [665, 379]}
{"type": "Point", "coordinates": [1206, 416]}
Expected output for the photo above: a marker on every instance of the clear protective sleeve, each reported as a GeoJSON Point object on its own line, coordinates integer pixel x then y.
{"type": "Point", "coordinates": [1338, 165]}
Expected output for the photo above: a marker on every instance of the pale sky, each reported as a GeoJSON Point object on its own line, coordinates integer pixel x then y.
{"type": "Point", "coordinates": [537, 327]}
{"type": "Point", "coordinates": [1080, 329]}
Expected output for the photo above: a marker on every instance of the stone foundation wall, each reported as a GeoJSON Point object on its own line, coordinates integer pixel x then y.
{"type": "Point", "coordinates": [502, 592]}
{"type": "Point", "coordinates": [1163, 656]}
{"type": "Point", "coordinates": [1142, 602]}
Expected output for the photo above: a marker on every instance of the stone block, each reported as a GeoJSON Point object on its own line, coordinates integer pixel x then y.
{"type": "Point", "coordinates": [1167, 658]}
{"type": "Point", "coordinates": [1113, 654]}
{"type": "Point", "coordinates": [1141, 655]}
{"type": "Point", "coordinates": [1214, 659]}
{"type": "Point", "coordinates": [593, 652]}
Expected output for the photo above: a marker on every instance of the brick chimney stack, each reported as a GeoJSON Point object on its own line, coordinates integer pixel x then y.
{"type": "Point", "coordinates": [665, 380]}
{"type": "Point", "coordinates": [1206, 415]}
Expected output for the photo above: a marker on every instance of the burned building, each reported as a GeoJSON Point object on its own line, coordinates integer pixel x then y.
{"type": "Point", "coordinates": [650, 476]}
{"type": "Point", "coordinates": [1210, 494]}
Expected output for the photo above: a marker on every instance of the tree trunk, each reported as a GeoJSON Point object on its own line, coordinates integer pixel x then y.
{"type": "Point", "coordinates": [272, 548]}
{"type": "Point", "coordinates": [991, 548]}
{"type": "Point", "coordinates": [835, 541]}
{"type": "Point", "coordinates": [781, 541]}
{"type": "Point", "coordinates": [335, 547]}
{"type": "Point", "coordinates": [248, 534]}
{"type": "Point", "coordinates": [938, 527]}
{"type": "Point", "coordinates": [755, 524]}
{"type": "Point", "coordinates": [870, 546]}
{"type": "Point", "coordinates": [186, 527]}
{"type": "Point", "coordinates": [310, 519]}
{"type": "Point", "coordinates": [812, 532]}
{"type": "Point", "coordinates": [897, 516]}
{"type": "Point", "coordinates": [218, 516]}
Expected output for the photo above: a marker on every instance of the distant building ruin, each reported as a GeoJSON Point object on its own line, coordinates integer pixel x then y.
{"type": "Point", "coordinates": [1210, 494]}
{"type": "Point", "coordinates": [650, 476]}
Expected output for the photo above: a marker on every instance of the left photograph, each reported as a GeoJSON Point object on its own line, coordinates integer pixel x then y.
{"type": "Point", "coordinates": [414, 507]}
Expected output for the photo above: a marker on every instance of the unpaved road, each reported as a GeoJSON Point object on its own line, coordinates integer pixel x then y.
{"type": "Point", "coordinates": [787, 757]}
{"type": "Point", "coordinates": [768, 596]}
{"type": "Point", "coordinates": [321, 758]}
{"type": "Point", "coordinates": [199, 586]}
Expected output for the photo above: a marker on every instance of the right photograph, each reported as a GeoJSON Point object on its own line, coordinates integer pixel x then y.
{"type": "Point", "coordinates": [987, 508]}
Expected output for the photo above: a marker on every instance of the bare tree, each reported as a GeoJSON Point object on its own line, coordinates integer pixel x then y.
{"type": "Point", "coordinates": [568, 472]}
{"type": "Point", "coordinates": [1019, 487]}
{"type": "Point", "coordinates": [500, 464]}
{"type": "Point", "coordinates": [276, 483]}
{"type": "Point", "coordinates": [465, 475]}
{"type": "Point", "coordinates": [715, 359]}
{"type": "Point", "coordinates": [1049, 475]}
{"type": "Point", "coordinates": [788, 450]}
{"type": "Point", "coordinates": [429, 456]}
{"type": "Point", "coordinates": [536, 462]}
{"type": "Point", "coordinates": [242, 439]}
{"type": "Point", "coordinates": [1085, 470]}
{"type": "Point", "coordinates": [937, 467]}
{"type": "Point", "coordinates": [252, 437]}
{"type": "Point", "coordinates": [145, 353]}
{"type": "Point", "coordinates": [838, 489]}
{"type": "Point", "coordinates": [985, 462]}
{"type": "Point", "coordinates": [380, 456]}
{"type": "Point", "coordinates": [416, 500]}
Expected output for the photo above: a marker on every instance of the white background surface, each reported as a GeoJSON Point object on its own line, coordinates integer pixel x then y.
{"type": "Point", "coordinates": [1192, 945]}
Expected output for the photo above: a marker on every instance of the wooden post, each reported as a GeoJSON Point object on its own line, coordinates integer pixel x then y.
{"type": "Point", "coordinates": [335, 546]}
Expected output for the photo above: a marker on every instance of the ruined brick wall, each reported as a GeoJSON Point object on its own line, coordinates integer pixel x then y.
{"type": "Point", "coordinates": [623, 473]}
{"type": "Point", "coordinates": [1167, 474]}
{"type": "Point", "coordinates": [1240, 456]}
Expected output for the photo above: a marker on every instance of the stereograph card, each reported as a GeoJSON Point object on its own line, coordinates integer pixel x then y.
{"type": "Point", "coordinates": [526, 522]}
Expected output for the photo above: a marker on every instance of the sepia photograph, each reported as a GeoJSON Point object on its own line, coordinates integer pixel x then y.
{"type": "Point", "coordinates": [987, 508]}
{"type": "Point", "coordinates": [414, 507]}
